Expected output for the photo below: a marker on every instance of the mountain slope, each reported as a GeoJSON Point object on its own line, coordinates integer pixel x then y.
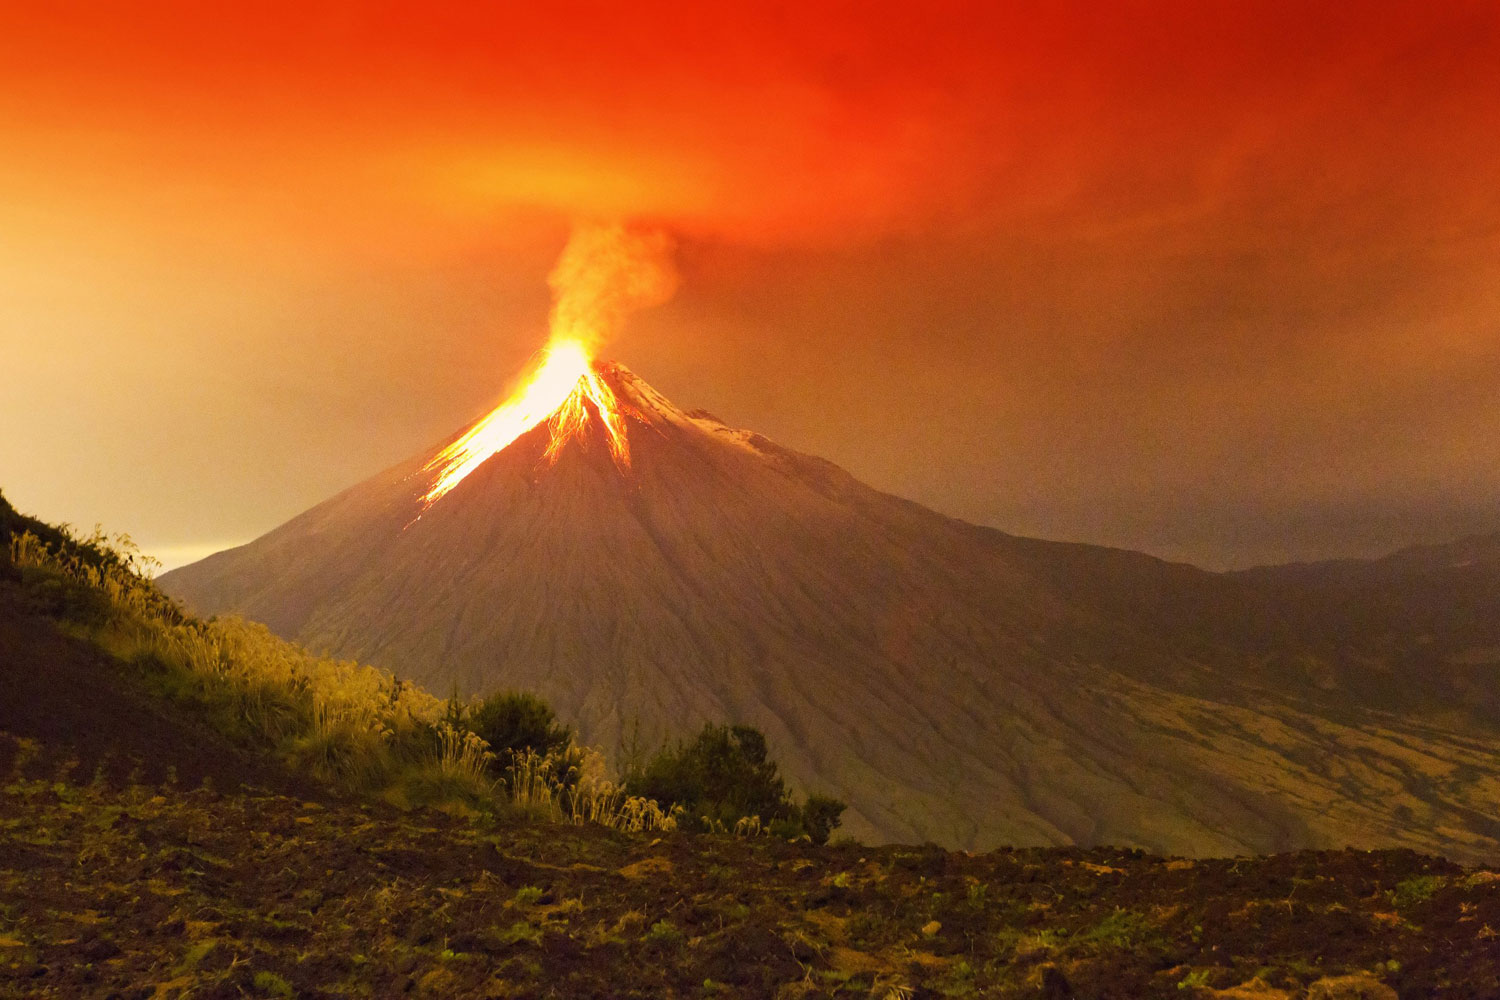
{"type": "Point", "coordinates": [950, 682]}
{"type": "Point", "coordinates": [1423, 622]}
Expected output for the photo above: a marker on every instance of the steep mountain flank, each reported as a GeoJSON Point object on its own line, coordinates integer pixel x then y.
{"type": "Point", "coordinates": [951, 682]}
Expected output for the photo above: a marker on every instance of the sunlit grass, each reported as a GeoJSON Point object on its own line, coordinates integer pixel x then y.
{"type": "Point", "coordinates": [354, 727]}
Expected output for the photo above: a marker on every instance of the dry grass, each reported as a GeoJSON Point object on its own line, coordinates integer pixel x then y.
{"type": "Point", "coordinates": [588, 797]}
{"type": "Point", "coordinates": [352, 726]}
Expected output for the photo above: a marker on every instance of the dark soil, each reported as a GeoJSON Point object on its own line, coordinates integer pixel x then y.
{"type": "Point", "coordinates": [171, 892]}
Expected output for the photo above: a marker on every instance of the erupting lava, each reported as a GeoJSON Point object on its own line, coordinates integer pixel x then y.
{"type": "Point", "coordinates": [604, 273]}
{"type": "Point", "coordinates": [560, 393]}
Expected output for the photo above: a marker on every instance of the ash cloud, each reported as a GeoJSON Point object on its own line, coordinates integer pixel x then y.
{"type": "Point", "coordinates": [606, 272]}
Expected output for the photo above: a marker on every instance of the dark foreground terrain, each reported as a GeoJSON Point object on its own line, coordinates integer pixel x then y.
{"type": "Point", "coordinates": [114, 889]}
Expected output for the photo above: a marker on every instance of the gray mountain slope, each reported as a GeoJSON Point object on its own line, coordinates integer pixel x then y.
{"type": "Point", "coordinates": [951, 682]}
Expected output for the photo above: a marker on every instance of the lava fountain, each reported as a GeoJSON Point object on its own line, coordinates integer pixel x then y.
{"type": "Point", "coordinates": [604, 273]}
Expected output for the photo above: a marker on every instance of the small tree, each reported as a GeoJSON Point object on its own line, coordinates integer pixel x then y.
{"type": "Point", "coordinates": [721, 776]}
{"type": "Point", "coordinates": [821, 815]}
{"type": "Point", "coordinates": [725, 774]}
{"type": "Point", "coordinates": [513, 722]}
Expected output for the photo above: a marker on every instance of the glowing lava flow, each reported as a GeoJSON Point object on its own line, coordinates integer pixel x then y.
{"type": "Point", "coordinates": [605, 272]}
{"type": "Point", "coordinates": [559, 393]}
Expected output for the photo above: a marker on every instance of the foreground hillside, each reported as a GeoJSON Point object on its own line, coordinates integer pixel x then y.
{"type": "Point", "coordinates": [111, 889]}
{"type": "Point", "coordinates": [64, 691]}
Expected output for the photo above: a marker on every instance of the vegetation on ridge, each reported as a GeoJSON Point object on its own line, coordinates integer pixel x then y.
{"type": "Point", "coordinates": [513, 722]}
{"type": "Point", "coordinates": [724, 779]}
{"type": "Point", "coordinates": [355, 727]}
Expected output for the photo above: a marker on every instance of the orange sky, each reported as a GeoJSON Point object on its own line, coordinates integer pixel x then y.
{"type": "Point", "coordinates": [1214, 280]}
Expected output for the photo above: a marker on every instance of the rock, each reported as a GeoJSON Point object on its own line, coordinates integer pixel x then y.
{"type": "Point", "coordinates": [1055, 985]}
{"type": "Point", "coordinates": [98, 950]}
{"type": "Point", "coordinates": [1360, 986]}
{"type": "Point", "coordinates": [1254, 989]}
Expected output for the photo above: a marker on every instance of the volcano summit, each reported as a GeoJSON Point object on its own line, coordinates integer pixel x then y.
{"type": "Point", "coordinates": [950, 682]}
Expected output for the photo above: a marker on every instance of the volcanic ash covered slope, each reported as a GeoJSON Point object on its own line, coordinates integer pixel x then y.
{"type": "Point", "coordinates": [951, 682]}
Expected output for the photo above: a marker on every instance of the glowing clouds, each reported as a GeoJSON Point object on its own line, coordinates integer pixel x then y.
{"type": "Point", "coordinates": [605, 273]}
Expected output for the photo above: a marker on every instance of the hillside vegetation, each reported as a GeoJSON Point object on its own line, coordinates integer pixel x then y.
{"type": "Point", "coordinates": [361, 730]}
{"type": "Point", "coordinates": [355, 728]}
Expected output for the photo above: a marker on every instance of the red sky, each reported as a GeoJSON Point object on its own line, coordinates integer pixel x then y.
{"type": "Point", "coordinates": [1214, 280]}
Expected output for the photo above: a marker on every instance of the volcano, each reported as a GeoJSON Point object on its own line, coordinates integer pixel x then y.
{"type": "Point", "coordinates": [951, 682]}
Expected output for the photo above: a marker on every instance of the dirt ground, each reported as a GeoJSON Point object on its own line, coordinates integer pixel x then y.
{"type": "Point", "coordinates": [170, 891]}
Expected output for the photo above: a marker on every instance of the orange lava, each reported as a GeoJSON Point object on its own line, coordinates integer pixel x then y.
{"type": "Point", "coordinates": [560, 393]}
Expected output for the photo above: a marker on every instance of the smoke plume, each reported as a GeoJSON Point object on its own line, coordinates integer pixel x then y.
{"type": "Point", "coordinates": [606, 272]}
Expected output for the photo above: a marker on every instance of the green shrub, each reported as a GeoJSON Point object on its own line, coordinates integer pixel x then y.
{"type": "Point", "coordinates": [271, 985]}
{"type": "Point", "coordinates": [512, 722]}
{"type": "Point", "coordinates": [345, 756]}
{"type": "Point", "coordinates": [821, 815]}
{"type": "Point", "coordinates": [1415, 890]}
{"type": "Point", "coordinates": [724, 776]}
{"type": "Point", "coordinates": [721, 776]}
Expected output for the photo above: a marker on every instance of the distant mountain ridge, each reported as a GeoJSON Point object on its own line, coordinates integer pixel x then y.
{"type": "Point", "coordinates": [1477, 549]}
{"type": "Point", "coordinates": [950, 681]}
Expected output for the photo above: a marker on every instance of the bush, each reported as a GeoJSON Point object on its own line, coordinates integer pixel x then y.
{"type": "Point", "coordinates": [821, 815]}
{"type": "Point", "coordinates": [515, 722]}
{"type": "Point", "coordinates": [721, 776]}
{"type": "Point", "coordinates": [724, 776]}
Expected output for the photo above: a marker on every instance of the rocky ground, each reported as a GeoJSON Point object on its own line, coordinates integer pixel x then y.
{"type": "Point", "coordinates": [116, 888]}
